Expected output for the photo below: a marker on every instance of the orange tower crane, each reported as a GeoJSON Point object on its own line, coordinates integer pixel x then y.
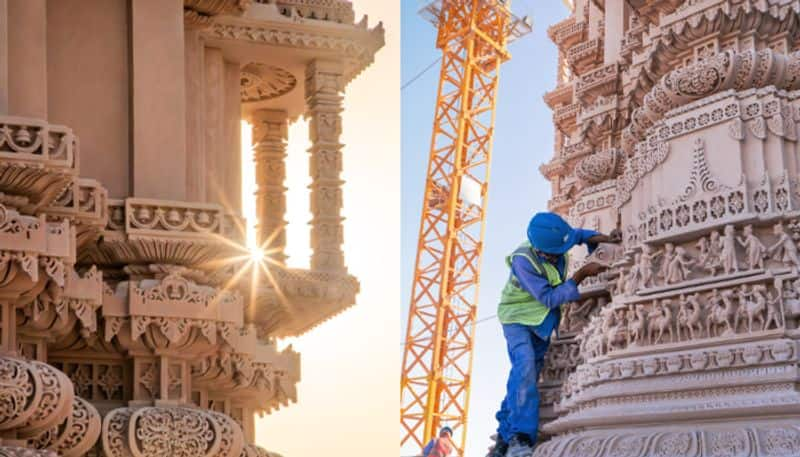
{"type": "Point", "coordinates": [473, 36]}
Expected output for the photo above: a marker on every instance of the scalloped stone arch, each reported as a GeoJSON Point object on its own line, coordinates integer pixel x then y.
{"type": "Point", "coordinates": [726, 70]}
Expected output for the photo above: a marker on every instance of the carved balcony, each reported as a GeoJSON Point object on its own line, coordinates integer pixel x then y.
{"type": "Point", "coordinates": [140, 232]}
{"type": "Point", "coordinates": [295, 301]}
{"type": "Point", "coordinates": [599, 118]}
{"type": "Point", "coordinates": [566, 117]}
{"type": "Point", "coordinates": [652, 9]}
{"type": "Point", "coordinates": [568, 32]}
{"type": "Point", "coordinates": [586, 55]}
{"type": "Point", "coordinates": [84, 203]}
{"type": "Point", "coordinates": [631, 41]}
{"type": "Point", "coordinates": [603, 81]}
{"type": "Point", "coordinates": [555, 167]}
{"type": "Point", "coordinates": [561, 95]}
{"type": "Point", "coordinates": [37, 162]}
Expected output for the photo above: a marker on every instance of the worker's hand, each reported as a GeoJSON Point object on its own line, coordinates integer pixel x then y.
{"type": "Point", "coordinates": [589, 269]}
{"type": "Point", "coordinates": [615, 237]}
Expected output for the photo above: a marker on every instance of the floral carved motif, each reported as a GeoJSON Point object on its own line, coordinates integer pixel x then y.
{"type": "Point", "coordinates": [165, 432]}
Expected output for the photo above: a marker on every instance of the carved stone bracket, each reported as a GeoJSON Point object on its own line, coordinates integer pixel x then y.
{"type": "Point", "coordinates": [178, 432]}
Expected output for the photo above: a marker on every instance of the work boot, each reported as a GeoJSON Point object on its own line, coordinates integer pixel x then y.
{"type": "Point", "coordinates": [499, 448]}
{"type": "Point", "coordinates": [520, 446]}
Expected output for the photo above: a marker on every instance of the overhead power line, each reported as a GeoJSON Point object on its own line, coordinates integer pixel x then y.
{"type": "Point", "coordinates": [419, 75]}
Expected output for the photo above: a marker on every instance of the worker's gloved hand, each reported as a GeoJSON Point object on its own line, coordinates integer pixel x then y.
{"type": "Point", "coordinates": [615, 237]}
{"type": "Point", "coordinates": [589, 269]}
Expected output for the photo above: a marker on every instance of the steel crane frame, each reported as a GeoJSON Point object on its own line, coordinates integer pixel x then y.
{"type": "Point", "coordinates": [473, 36]}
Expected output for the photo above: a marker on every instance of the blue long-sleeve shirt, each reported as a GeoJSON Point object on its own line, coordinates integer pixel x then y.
{"type": "Point", "coordinates": [537, 285]}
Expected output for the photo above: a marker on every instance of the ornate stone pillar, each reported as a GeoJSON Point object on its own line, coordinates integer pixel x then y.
{"type": "Point", "coordinates": [324, 106]}
{"type": "Point", "coordinates": [270, 133]}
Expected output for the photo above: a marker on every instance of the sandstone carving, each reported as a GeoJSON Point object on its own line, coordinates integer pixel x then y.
{"type": "Point", "coordinates": [699, 96]}
{"type": "Point", "coordinates": [128, 288]}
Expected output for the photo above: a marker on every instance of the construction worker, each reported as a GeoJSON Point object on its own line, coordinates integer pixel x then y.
{"type": "Point", "coordinates": [529, 312]}
{"type": "Point", "coordinates": [441, 446]}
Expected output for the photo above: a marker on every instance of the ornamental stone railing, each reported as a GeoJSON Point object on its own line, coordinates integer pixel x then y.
{"type": "Point", "coordinates": [39, 160]}
{"type": "Point", "coordinates": [585, 55]}
{"type": "Point", "coordinates": [324, 10]}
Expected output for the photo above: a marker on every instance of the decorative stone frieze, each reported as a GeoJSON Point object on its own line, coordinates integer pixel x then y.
{"type": "Point", "coordinates": [322, 10]}
{"type": "Point", "coordinates": [686, 141]}
{"type": "Point", "coordinates": [145, 231]}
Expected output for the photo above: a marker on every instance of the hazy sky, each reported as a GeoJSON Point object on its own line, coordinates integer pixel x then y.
{"type": "Point", "coordinates": [523, 140]}
{"type": "Point", "coordinates": [348, 397]}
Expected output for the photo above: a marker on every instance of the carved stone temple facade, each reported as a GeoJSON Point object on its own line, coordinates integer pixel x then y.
{"type": "Point", "coordinates": [130, 322]}
{"type": "Point", "coordinates": [678, 122]}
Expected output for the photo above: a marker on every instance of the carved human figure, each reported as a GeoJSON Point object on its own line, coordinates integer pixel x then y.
{"type": "Point", "coordinates": [689, 315]}
{"type": "Point", "coordinates": [591, 338]}
{"type": "Point", "coordinates": [703, 252]}
{"type": "Point", "coordinates": [714, 252]}
{"type": "Point", "coordinates": [661, 320]}
{"type": "Point", "coordinates": [728, 251]}
{"type": "Point", "coordinates": [754, 248]}
{"type": "Point", "coordinates": [752, 306]}
{"type": "Point", "coordinates": [634, 276]}
{"type": "Point", "coordinates": [791, 298]}
{"type": "Point", "coordinates": [680, 266]}
{"type": "Point", "coordinates": [637, 325]}
{"type": "Point", "coordinates": [646, 261]}
{"type": "Point", "coordinates": [577, 315]}
{"type": "Point", "coordinates": [784, 249]}
{"type": "Point", "coordinates": [721, 313]}
{"type": "Point", "coordinates": [773, 310]}
{"type": "Point", "coordinates": [668, 254]}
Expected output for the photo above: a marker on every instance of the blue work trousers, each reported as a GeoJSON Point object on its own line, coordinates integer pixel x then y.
{"type": "Point", "coordinates": [519, 412]}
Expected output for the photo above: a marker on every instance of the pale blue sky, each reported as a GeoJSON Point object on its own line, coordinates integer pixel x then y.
{"type": "Point", "coordinates": [523, 140]}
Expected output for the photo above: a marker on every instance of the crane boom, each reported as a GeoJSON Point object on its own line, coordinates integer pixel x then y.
{"type": "Point", "coordinates": [473, 36]}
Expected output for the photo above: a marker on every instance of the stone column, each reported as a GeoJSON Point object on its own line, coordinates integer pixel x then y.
{"type": "Point", "coordinates": [27, 58]}
{"type": "Point", "coordinates": [159, 99]}
{"type": "Point", "coordinates": [232, 159]}
{"type": "Point", "coordinates": [195, 117]}
{"type": "Point", "coordinates": [214, 134]}
{"type": "Point", "coordinates": [615, 24]}
{"type": "Point", "coordinates": [323, 90]}
{"type": "Point", "coordinates": [270, 132]}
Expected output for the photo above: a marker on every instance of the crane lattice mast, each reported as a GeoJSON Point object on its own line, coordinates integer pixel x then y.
{"type": "Point", "coordinates": [473, 36]}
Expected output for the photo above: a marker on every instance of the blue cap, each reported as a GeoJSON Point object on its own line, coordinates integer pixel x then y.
{"type": "Point", "coordinates": [551, 234]}
{"type": "Point", "coordinates": [446, 429]}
